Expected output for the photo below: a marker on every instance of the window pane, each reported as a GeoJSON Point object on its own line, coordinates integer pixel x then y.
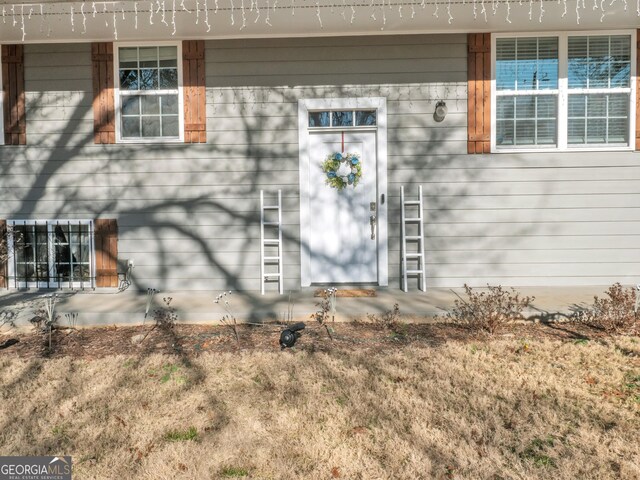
{"type": "Point", "coordinates": [525, 132]}
{"type": "Point", "coordinates": [576, 130]}
{"type": "Point", "coordinates": [150, 105]}
{"type": "Point", "coordinates": [169, 104]}
{"type": "Point", "coordinates": [150, 126]}
{"type": "Point", "coordinates": [148, 79]}
{"type": "Point", "coordinates": [128, 57]}
{"type": "Point", "coordinates": [505, 133]}
{"type": "Point", "coordinates": [598, 119]}
{"type": "Point", "coordinates": [618, 105]}
{"type": "Point", "coordinates": [620, 74]}
{"type": "Point", "coordinates": [129, 79]}
{"type": "Point", "coordinates": [599, 61]}
{"type": "Point", "coordinates": [148, 57]}
{"type": "Point", "coordinates": [170, 126]}
{"type": "Point", "coordinates": [318, 119]}
{"type": "Point", "coordinates": [526, 120]}
{"type": "Point", "coordinates": [365, 117]}
{"type": "Point", "coordinates": [130, 105]}
{"type": "Point", "coordinates": [506, 63]}
{"type": "Point", "coordinates": [168, 78]}
{"type": "Point", "coordinates": [342, 119]}
{"type": "Point", "coordinates": [130, 127]}
{"type": "Point", "coordinates": [525, 107]}
{"type": "Point", "coordinates": [168, 57]}
{"type": "Point", "coordinates": [527, 63]}
{"type": "Point", "coordinates": [596, 130]}
{"type": "Point", "coordinates": [547, 63]}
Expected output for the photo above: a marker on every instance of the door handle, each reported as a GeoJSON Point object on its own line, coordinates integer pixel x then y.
{"type": "Point", "coordinates": [372, 221]}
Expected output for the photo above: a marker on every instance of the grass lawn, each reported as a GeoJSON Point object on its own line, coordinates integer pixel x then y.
{"type": "Point", "coordinates": [494, 408]}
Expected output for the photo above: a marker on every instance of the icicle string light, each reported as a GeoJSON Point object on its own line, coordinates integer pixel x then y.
{"type": "Point", "coordinates": [84, 19]}
{"type": "Point", "coordinates": [115, 26]}
{"type": "Point", "coordinates": [206, 15]}
{"type": "Point", "coordinates": [347, 9]}
{"type": "Point", "coordinates": [173, 17]}
{"type": "Point", "coordinates": [268, 19]}
{"type": "Point", "coordinates": [22, 27]}
{"type": "Point", "coordinates": [318, 14]}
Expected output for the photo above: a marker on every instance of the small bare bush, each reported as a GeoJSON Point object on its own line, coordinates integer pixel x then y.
{"type": "Point", "coordinates": [490, 310]}
{"type": "Point", "coordinates": [616, 314]}
{"type": "Point", "coordinates": [388, 320]}
{"type": "Point", "coordinates": [326, 306]}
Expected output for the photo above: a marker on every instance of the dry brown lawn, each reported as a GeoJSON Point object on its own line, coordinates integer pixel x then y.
{"type": "Point", "coordinates": [501, 408]}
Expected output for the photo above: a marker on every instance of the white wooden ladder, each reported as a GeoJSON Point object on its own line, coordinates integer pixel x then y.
{"type": "Point", "coordinates": [271, 242]}
{"type": "Point", "coordinates": [417, 239]}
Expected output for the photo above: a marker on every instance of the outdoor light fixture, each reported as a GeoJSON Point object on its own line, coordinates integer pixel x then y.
{"type": "Point", "coordinates": [289, 335]}
{"type": "Point", "coordinates": [440, 112]}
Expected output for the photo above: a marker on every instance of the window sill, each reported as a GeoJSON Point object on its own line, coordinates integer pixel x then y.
{"type": "Point", "coordinates": [563, 150]}
{"type": "Point", "coordinates": [146, 141]}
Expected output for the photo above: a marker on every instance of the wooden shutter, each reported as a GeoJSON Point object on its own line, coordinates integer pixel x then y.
{"type": "Point", "coordinates": [193, 85]}
{"type": "Point", "coordinates": [104, 122]}
{"type": "Point", "coordinates": [15, 122]}
{"type": "Point", "coordinates": [3, 254]}
{"type": "Point", "coordinates": [479, 93]}
{"type": "Point", "coordinates": [106, 243]}
{"type": "Point", "coordinates": [638, 90]}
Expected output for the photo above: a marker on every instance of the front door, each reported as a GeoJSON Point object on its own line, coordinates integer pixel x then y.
{"type": "Point", "coordinates": [343, 222]}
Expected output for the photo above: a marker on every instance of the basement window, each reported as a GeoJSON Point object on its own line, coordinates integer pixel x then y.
{"type": "Point", "coordinates": [51, 254]}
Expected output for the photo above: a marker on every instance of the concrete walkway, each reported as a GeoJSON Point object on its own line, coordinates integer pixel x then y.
{"type": "Point", "coordinates": [128, 308]}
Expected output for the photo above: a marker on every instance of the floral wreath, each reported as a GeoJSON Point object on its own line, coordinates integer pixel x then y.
{"type": "Point", "coordinates": [342, 169]}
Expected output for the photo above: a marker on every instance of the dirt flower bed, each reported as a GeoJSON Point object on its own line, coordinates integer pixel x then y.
{"type": "Point", "coordinates": [196, 339]}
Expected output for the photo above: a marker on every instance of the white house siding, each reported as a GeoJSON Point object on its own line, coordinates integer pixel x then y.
{"type": "Point", "coordinates": [188, 214]}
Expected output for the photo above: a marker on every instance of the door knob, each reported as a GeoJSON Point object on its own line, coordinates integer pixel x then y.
{"type": "Point", "coordinates": [372, 221]}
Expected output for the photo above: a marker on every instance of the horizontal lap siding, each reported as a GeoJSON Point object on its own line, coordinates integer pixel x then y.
{"type": "Point", "coordinates": [188, 214]}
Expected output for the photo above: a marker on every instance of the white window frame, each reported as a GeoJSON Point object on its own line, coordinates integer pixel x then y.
{"type": "Point", "coordinates": [52, 284]}
{"type": "Point", "coordinates": [563, 94]}
{"type": "Point", "coordinates": [116, 73]}
{"type": "Point", "coordinates": [1, 104]}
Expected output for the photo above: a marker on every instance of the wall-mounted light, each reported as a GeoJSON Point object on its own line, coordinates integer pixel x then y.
{"type": "Point", "coordinates": [440, 111]}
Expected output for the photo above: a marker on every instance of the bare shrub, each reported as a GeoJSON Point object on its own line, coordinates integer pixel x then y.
{"type": "Point", "coordinates": [229, 319]}
{"type": "Point", "coordinates": [490, 310]}
{"type": "Point", "coordinates": [387, 320]}
{"type": "Point", "coordinates": [326, 306]}
{"type": "Point", "coordinates": [46, 318]}
{"type": "Point", "coordinates": [616, 314]}
{"type": "Point", "coordinates": [165, 317]}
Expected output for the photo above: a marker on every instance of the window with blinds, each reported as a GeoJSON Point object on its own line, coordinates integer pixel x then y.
{"type": "Point", "coordinates": [563, 92]}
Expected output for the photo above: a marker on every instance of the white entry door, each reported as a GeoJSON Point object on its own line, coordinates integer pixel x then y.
{"type": "Point", "coordinates": [342, 236]}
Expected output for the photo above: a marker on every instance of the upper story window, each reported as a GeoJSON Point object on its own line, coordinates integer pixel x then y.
{"type": "Point", "coordinates": [149, 94]}
{"type": "Point", "coordinates": [1, 108]}
{"type": "Point", "coordinates": [563, 92]}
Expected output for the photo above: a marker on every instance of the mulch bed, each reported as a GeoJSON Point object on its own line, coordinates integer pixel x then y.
{"type": "Point", "coordinates": [192, 340]}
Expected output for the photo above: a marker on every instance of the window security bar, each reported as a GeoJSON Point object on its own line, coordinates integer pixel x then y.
{"type": "Point", "coordinates": [51, 254]}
